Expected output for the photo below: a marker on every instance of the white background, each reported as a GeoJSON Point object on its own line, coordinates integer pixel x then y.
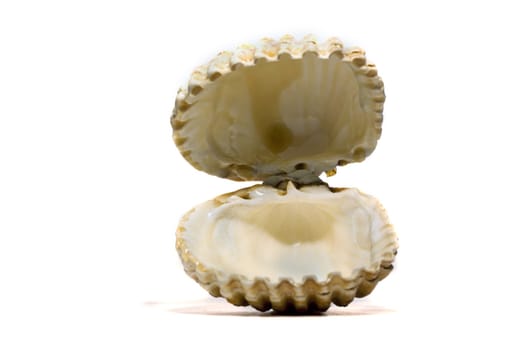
{"type": "Point", "coordinates": [92, 186]}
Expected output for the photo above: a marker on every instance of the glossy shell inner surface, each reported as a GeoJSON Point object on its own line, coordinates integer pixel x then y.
{"type": "Point", "coordinates": [274, 117]}
{"type": "Point", "coordinates": [263, 232]}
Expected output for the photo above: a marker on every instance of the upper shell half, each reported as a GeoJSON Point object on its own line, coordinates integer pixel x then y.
{"type": "Point", "coordinates": [284, 105]}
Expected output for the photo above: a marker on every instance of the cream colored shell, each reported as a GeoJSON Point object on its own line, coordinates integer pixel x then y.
{"type": "Point", "coordinates": [292, 249]}
{"type": "Point", "coordinates": [282, 106]}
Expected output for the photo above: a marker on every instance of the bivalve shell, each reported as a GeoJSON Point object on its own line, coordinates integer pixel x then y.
{"type": "Point", "coordinates": [291, 250]}
{"type": "Point", "coordinates": [265, 110]}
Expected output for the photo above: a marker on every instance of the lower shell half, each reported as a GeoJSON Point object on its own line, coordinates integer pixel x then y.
{"type": "Point", "coordinates": [291, 250]}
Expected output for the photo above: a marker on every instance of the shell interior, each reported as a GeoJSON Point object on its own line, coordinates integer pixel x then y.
{"type": "Point", "coordinates": [279, 111]}
{"type": "Point", "coordinates": [312, 232]}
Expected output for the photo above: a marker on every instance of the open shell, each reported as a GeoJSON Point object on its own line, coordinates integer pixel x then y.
{"type": "Point", "coordinates": [287, 105]}
{"type": "Point", "coordinates": [284, 112]}
{"type": "Point", "coordinates": [292, 249]}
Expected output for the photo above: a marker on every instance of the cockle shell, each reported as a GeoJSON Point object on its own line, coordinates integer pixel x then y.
{"type": "Point", "coordinates": [266, 110]}
{"type": "Point", "coordinates": [284, 112]}
{"type": "Point", "coordinates": [290, 250]}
